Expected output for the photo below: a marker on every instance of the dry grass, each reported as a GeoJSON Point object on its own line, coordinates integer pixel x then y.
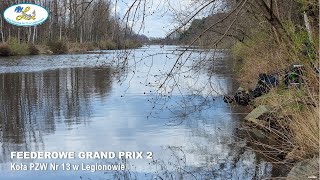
{"type": "Point", "coordinates": [296, 116]}
{"type": "Point", "coordinates": [77, 47]}
{"type": "Point", "coordinates": [305, 130]}
{"type": "Point", "coordinates": [291, 132]}
{"type": "Point", "coordinates": [260, 55]}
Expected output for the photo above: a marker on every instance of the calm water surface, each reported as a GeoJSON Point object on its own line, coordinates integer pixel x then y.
{"type": "Point", "coordinates": [83, 102]}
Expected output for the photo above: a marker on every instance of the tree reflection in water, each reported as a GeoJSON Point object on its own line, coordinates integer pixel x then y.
{"type": "Point", "coordinates": [32, 103]}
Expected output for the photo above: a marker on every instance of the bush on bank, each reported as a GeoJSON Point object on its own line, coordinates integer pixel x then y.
{"type": "Point", "coordinates": [108, 45]}
{"type": "Point", "coordinates": [112, 45]}
{"type": "Point", "coordinates": [14, 48]}
{"type": "Point", "coordinates": [129, 44]}
{"type": "Point", "coordinates": [33, 50]}
{"type": "Point", "coordinates": [5, 50]}
{"type": "Point", "coordinates": [81, 47]}
{"type": "Point", "coordinates": [17, 48]}
{"type": "Point", "coordinates": [58, 47]}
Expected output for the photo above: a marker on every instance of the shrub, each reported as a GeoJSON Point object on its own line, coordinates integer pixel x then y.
{"type": "Point", "coordinates": [129, 44]}
{"type": "Point", "coordinates": [33, 50]}
{"type": "Point", "coordinates": [77, 47]}
{"type": "Point", "coordinates": [86, 46]}
{"type": "Point", "coordinates": [18, 49]}
{"type": "Point", "coordinates": [90, 47]}
{"type": "Point", "coordinates": [58, 47]}
{"type": "Point", "coordinates": [110, 45]}
{"type": "Point", "coordinates": [5, 50]}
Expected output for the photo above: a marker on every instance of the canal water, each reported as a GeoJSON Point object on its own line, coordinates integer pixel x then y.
{"type": "Point", "coordinates": [160, 100]}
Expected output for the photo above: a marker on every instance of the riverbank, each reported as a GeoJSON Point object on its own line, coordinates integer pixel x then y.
{"type": "Point", "coordinates": [285, 127]}
{"type": "Point", "coordinates": [15, 48]}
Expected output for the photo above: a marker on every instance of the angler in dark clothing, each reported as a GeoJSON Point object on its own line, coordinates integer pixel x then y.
{"type": "Point", "coordinates": [263, 86]}
{"type": "Point", "coordinates": [241, 96]}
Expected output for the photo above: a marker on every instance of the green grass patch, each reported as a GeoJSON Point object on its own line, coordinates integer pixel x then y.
{"type": "Point", "coordinates": [17, 48]}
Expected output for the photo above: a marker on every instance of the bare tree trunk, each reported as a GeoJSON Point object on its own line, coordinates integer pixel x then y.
{"type": "Point", "coordinates": [274, 21]}
{"type": "Point", "coordinates": [60, 35]}
{"type": "Point", "coordinates": [19, 37]}
{"type": "Point", "coordinates": [81, 34]}
{"type": "Point", "coordinates": [29, 34]}
{"type": "Point", "coordinates": [308, 26]}
{"type": "Point", "coordinates": [34, 34]}
{"type": "Point", "coordinates": [55, 20]}
{"type": "Point", "coordinates": [2, 35]}
{"type": "Point", "coordinates": [276, 9]}
{"type": "Point", "coordinates": [115, 16]}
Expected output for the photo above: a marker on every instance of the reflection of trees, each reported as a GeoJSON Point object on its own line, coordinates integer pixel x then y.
{"type": "Point", "coordinates": [31, 104]}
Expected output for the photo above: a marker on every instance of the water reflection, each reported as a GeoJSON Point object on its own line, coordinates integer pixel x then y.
{"type": "Point", "coordinates": [33, 103]}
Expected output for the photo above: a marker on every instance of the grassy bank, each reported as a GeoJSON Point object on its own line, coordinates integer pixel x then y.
{"type": "Point", "coordinates": [291, 128]}
{"type": "Point", "coordinates": [15, 48]}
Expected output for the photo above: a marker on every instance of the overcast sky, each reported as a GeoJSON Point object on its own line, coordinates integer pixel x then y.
{"type": "Point", "coordinates": [159, 20]}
